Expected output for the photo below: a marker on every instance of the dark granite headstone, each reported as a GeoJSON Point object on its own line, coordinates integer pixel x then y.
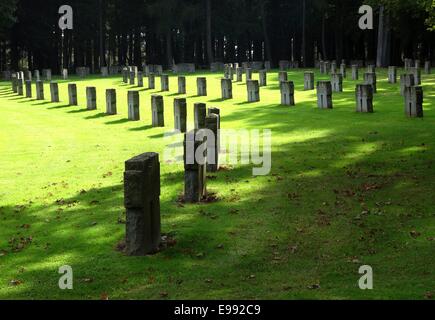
{"type": "Point", "coordinates": [142, 203]}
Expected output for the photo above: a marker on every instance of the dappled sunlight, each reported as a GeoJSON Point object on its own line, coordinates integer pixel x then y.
{"type": "Point", "coordinates": [299, 136]}
{"type": "Point", "coordinates": [361, 151]}
{"type": "Point", "coordinates": [328, 166]}
{"type": "Point", "coordinates": [414, 150]}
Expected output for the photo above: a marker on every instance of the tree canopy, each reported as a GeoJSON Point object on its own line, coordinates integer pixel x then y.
{"type": "Point", "coordinates": [138, 32]}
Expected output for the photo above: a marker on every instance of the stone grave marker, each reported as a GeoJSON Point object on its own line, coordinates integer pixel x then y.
{"type": "Point", "coordinates": [414, 101]}
{"type": "Point", "coordinates": [201, 84]}
{"type": "Point", "coordinates": [217, 112]}
{"type": "Point", "coordinates": [91, 98]}
{"type": "Point", "coordinates": [406, 80]}
{"type": "Point", "coordinates": [262, 74]}
{"type": "Point", "coordinates": [195, 175]}
{"type": "Point", "coordinates": [364, 98]}
{"type": "Point", "coordinates": [104, 71]}
{"type": "Point", "coordinates": [20, 87]}
{"type": "Point", "coordinates": [253, 90]}
{"type": "Point", "coordinates": [355, 73]}
{"type": "Point", "coordinates": [309, 81]}
{"type": "Point", "coordinates": [132, 77]}
{"type": "Point", "coordinates": [287, 93]}
{"type": "Point", "coordinates": [133, 106]}
{"type": "Point", "coordinates": [181, 85]}
{"type": "Point", "coordinates": [142, 204]}
{"type": "Point", "coordinates": [164, 82]}
{"type": "Point", "coordinates": [324, 95]}
{"type": "Point", "coordinates": [54, 92]}
{"type": "Point", "coordinates": [39, 90]}
{"type": "Point", "coordinates": [47, 74]}
{"type": "Point", "coordinates": [212, 124]}
{"type": "Point", "coordinates": [227, 88]}
{"type": "Point", "coordinates": [337, 82]}
{"type": "Point", "coordinates": [248, 73]}
{"type": "Point", "coordinates": [283, 76]}
{"type": "Point", "coordinates": [28, 75]}
{"type": "Point", "coordinates": [371, 69]}
{"type": "Point", "coordinates": [180, 114]}
{"type": "Point", "coordinates": [151, 81]}
{"type": "Point", "coordinates": [125, 75]}
{"type": "Point", "coordinates": [343, 70]}
{"type": "Point", "coordinates": [333, 67]}
{"type": "Point", "coordinates": [111, 101]}
{"type": "Point", "coordinates": [140, 79]}
{"type": "Point", "coordinates": [28, 88]}
{"type": "Point", "coordinates": [157, 111]}
{"type": "Point", "coordinates": [200, 113]}
{"type": "Point", "coordinates": [239, 74]}
{"type": "Point", "coordinates": [37, 75]}
{"type": "Point", "coordinates": [370, 78]}
{"type": "Point", "coordinates": [72, 94]}
{"type": "Point", "coordinates": [392, 74]}
{"type": "Point", "coordinates": [417, 75]}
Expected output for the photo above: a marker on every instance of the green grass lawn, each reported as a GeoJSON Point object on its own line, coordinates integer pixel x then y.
{"type": "Point", "coordinates": [346, 189]}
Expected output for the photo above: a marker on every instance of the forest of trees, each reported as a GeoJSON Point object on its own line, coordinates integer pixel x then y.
{"type": "Point", "coordinates": [138, 32]}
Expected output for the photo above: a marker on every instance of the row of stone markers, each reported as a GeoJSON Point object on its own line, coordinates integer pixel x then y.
{"type": "Point", "coordinates": [363, 92]}
{"type": "Point", "coordinates": [364, 96]}
{"type": "Point", "coordinates": [27, 75]}
{"type": "Point", "coordinates": [327, 67]}
{"type": "Point", "coordinates": [157, 104]}
{"type": "Point", "coordinates": [46, 74]}
{"type": "Point", "coordinates": [413, 95]}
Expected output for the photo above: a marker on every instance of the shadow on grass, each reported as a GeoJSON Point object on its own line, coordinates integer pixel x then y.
{"type": "Point", "coordinates": [18, 98]}
{"type": "Point", "coordinates": [218, 100]}
{"type": "Point", "coordinates": [245, 103]}
{"type": "Point", "coordinates": [97, 116]}
{"type": "Point", "coordinates": [41, 103]}
{"type": "Point", "coordinates": [157, 136]}
{"type": "Point", "coordinates": [79, 111]}
{"type": "Point", "coordinates": [175, 94]}
{"type": "Point", "coordinates": [9, 94]}
{"type": "Point", "coordinates": [142, 128]}
{"type": "Point", "coordinates": [143, 89]}
{"type": "Point", "coordinates": [60, 107]}
{"type": "Point", "coordinates": [343, 187]}
{"type": "Point", "coordinates": [120, 121]}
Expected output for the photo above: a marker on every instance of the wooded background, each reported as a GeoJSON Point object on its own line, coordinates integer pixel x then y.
{"type": "Point", "coordinates": [138, 32]}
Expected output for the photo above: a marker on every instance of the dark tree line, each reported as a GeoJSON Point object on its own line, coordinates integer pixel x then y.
{"type": "Point", "coordinates": [135, 32]}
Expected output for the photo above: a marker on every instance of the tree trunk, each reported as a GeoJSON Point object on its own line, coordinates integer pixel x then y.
{"type": "Point", "coordinates": [265, 32]}
{"type": "Point", "coordinates": [101, 34]}
{"type": "Point", "coordinates": [380, 47]}
{"type": "Point", "coordinates": [325, 55]}
{"type": "Point", "coordinates": [384, 39]}
{"type": "Point", "coordinates": [209, 38]}
{"type": "Point", "coordinates": [169, 55]}
{"type": "Point", "coordinates": [304, 40]}
{"type": "Point", "coordinates": [137, 48]}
